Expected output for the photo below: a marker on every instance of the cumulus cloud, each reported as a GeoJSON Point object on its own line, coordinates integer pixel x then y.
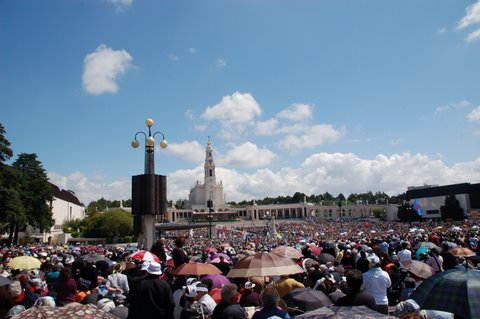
{"type": "Point", "coordinates": [88, 189]}
{"type": "Point", "coordinates": [188, 150]}
{"type": "Point", "coordinates": [248, 155]}
{"type": "Point", "coordinates": [471, 17]}
{"type": "Point", "coordinates": [472, 36]}
{"type": "Point", "coordinates": [267, 127]}
{"type": "Point", "coordinates": [121, 5]}
{"type": "Point", "coordinates": [321, 172]}
{"type": "Point", "coordinates": [297, 112]}
{"type": "Point", "coordinates": [445, 108]}
{"type": "Point", "coordinates": [311, 136]}
{"type": "Point", "coordinates": [474, 116]}
{"type": "Point", "coordinates": [102, 68]}
{"type": "Point", "coordinates": [233, 113]}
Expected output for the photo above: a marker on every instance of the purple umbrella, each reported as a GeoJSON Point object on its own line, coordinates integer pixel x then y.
{"type": "Point", "coordinates": [217, 255]}
{"type": "Point", "coordinates": [218, 280]}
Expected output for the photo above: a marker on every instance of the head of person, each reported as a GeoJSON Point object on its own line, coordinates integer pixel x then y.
{"type": "Point", "coordinates": [65, 274]}
{"type": "Point", "coordinates": [229, 293]}
{"type": "Point", "coordinates": [154, 269]}
{"type": "Point", "coordinates": [354, 279]}
{"type": "Point", "coordinates": [270, 298]}
{"type": "Point", "coordinates": [180, 242]}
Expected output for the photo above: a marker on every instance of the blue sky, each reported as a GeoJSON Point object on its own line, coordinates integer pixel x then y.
{"type": "Point", "coordinates": [309, 96]}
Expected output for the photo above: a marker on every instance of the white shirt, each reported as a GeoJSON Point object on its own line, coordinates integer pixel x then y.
{"type": "Point", "coordinates": [375, 282]}
{"type": "Point", "coordinates": [209, 303]}
{"type": "Point", "coordinates": [435, 263]}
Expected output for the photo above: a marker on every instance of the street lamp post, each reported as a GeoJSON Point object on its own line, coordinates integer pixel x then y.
{"type": "Point", "coordinates": [210, 217]}
{"type": "Point", "coordinates": [149, 191]}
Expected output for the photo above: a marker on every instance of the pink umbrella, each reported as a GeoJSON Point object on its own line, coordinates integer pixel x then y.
{"type": "Point", "coordinates": [218, 280]}
{"type": "Point", "coordinates": [218, 255]}
{"type": "Point", "coordinates": [145, 255]}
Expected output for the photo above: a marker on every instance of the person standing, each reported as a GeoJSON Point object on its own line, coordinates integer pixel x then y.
{"type": "Point", "coordinates": [435, 261]}
{"type": "Point", "coordinates": [405, 255]}
{"type": "Point", "coordinates": [151, 297]}
{"type": "Point", "coordinates": [375, 282]}
{"type": "Point", "coordinates": [355, 297]}
{"type": "Point", "coordinates": [66, 287]}
{"type": "Point", "coordinates": [179, 255]}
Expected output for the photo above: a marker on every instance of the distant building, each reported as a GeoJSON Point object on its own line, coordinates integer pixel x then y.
{"type": "Point", "coordinates": [64, 206]}
{"type": "Point", "coordinates": [431, 198]}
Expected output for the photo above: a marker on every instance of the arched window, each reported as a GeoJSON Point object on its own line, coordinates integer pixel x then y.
{"type": "Point", "coordinates": [210, 172]}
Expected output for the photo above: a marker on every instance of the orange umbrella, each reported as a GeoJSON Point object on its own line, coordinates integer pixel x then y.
{"type": "Point", "coordinates": [462, 252]}
{"type": "Point", "coordinates": [196, 269]}
{"type": "Point", "coordinates": [264, 264]}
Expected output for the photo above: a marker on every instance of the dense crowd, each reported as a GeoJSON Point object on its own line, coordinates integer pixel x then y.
{"type": "Point", "coordinates": [372, 264]}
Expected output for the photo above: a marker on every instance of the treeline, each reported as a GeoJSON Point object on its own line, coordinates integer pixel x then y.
{"type": "Point", "coordinates": [328, 199]}
{"type": "Point", "coordinates": [24, 192]}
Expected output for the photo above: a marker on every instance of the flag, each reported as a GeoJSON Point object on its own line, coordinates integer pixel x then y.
{"type": "Point", "coordinates": [417, 207]}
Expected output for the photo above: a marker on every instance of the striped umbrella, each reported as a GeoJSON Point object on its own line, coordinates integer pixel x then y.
{"type": "Point", "coordinates": [144, 255]}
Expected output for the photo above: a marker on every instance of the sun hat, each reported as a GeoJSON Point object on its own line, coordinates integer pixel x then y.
{"type": "Point", "coordinates": [145, 265]}
{"type": "Point", "coordinates": [154, 268]}
{"type": "Point", "coordinates": [201, 287]}
{"type": "Point", "coordinates": [249, 285]}
{"type": "Point", "coordinates": [190, 291]}
{"type": "Point", "coordinates": [374, 260]}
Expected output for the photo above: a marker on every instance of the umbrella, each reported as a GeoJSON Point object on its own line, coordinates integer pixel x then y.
{"type": "Point", "coordinates": [25, 262]}
{"type": "Point", "coordinates": [325, 258]}
{"type": "Point", "coordinates": [196, 269]}
{"type": "Point", "coordinates": [264, 264]}
{"type": "Point", "coordinates": [218, 280]}
{"type": "Point", "coordinates": [455, 290]}
{"type": "Point", "coordinates": [144, 255]}
{"type": "Point", "coordinates": [425, 244]}
{"type": "Point", "coordinates": [71, 312]}
{"type": "Point", "coordinates": [308, 263]}
{"type": "Point", "coordinates": [419, 269]}
{"type": "Point", "coordinates": [307, 299]}
{"type": "Point", "coordinates": [343, 313]}
{"type": "Point", "coordinates": [462, 252]}
{"type": "Point", "coordinates": [217, 261]}
{"type": "Point", "coordinates": [313, 248]}
{"type": "Point", "coordinates": [218, 255]}
{"type": "Point", "coordinates": [210, 250]}
{"type": "Point", "coordinates": [287, 251]}
{"type": "Point", "coordinates": [91, 258]}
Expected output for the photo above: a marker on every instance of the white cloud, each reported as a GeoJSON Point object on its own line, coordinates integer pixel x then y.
{"type": "Point", "coordinates": [471, 17]}
{"type": "Point", "coordinates": [88, 189]}
{"type": "Point", "coordinates": [472, 36]}
{"type": "Point", "coordinates": [458, 105]}
{"type": "Point", "coordinates": [221, 63]}
{"type": "Point", "coordinates": [442, 30]}
{"type": "Point", "coordinates": [234, 113]}
{"type": "Point", "coordinates": [200, 128]}
{"type": "Point", "coordinates": [173, 57]}
{"type": "Point", "coordinates": [102, 68]}
{"type": "Point", "coordinates": [188, 150]}
{"type": "Point", "coordinates": [267, 127]}
{"type": "Point", "coordinates": [248, 155]}
{"type": "Point", "coordinates": [296, 112]}
{"type": "Point", "coordinates": [319, 173]}
{"type": "Point", "coordinates": [312, 136]}
{"type": "Point", "coordinates": [474, 115]}
{"type": "Point", "coordinates": [121, 5]}
{"type": "Point", "coordinates": [192, 50]}
{"type": "Point", "coordinates": [189, 114]}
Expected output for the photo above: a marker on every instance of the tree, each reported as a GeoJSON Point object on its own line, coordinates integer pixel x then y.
{"type": "Point", "coordinates": [452, 209]}
{"type": "Point", "coordinates": [36, 191]}
{"type": "Point", "coordinates": [406, 213]}
{"type": "Point", "coordinates": [113, 224]}
{"type": "Point", "coordinates": [12, 212]}
{"type": "Point", "coordinates": [180, 204]}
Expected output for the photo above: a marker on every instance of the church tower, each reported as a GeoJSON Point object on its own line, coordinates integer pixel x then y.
{"type": "Point", "coordinates": [200, 194]}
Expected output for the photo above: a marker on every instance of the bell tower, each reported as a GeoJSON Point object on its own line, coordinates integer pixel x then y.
{"type": "Point", "coordinates": [210, 179]}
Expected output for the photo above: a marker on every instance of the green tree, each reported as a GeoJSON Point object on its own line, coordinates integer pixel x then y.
{"type": "Point", "coordinates": [112, 224]}
{"type": "Point", "coordinates": [406, 213]}
{"type": "Point", "coordinates": [452, 209]}
{"type": "Point", "coordinates": [36, 191]}
{"type": "Point", "coordinates": [12, 212]}
{"type": "Point", "coordinates": [180, 204]}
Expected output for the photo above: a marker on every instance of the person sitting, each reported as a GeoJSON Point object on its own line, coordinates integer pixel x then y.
{"type": "Point", "coordinates": [355, 297]}
{"type": "Point", "coordinates": [287, 284]}
{"type": "Point", "coordinates": [66, 287]}
{"type": "Point", "coordinates": [249, 298]}
{"type": "Point", "coordinates": [270, 299]}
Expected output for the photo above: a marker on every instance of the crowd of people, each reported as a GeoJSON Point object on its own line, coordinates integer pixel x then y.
{"type": "Point", "coordinates": [353, 263]}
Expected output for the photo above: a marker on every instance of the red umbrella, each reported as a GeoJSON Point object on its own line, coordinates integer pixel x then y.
{"type": "Point", "coordinates": [313, 248]}
{"type": "Point", "coordinates": [145, 255]}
